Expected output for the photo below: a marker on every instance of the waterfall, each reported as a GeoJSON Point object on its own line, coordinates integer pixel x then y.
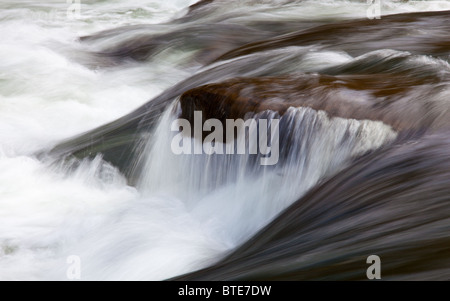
{"type": "Point", "coordinates": [235, 193]}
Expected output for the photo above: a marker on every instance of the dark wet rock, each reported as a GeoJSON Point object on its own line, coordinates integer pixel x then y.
{"type": "Point", "coordinates": [391, 89]}
{"type": "Point", "coordinates": [207, 40]}
{"type": "Point", "coordinates": [120, 142]}
{"type": "Point", "coordinates": [198, 5]}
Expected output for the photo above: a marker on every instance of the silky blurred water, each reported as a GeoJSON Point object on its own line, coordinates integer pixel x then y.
{"type": "Point", "coordinates": [173, 221]}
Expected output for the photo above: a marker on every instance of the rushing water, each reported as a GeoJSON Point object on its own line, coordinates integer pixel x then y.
{"type": "Point", "coordinates": [182, 213]}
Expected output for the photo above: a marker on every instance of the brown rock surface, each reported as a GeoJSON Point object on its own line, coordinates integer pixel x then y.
{"type": "Point", "coordinates": [395, 100]}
